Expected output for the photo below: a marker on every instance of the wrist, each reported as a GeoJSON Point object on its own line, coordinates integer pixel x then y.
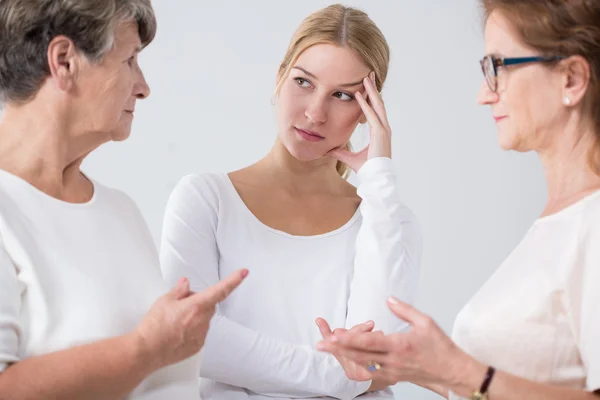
{"type": "Point", "coordinates": [467, 376]}
{"type": "Point", "coordinates": [142, 355]}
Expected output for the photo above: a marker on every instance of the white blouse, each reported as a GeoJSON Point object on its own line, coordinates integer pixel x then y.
{"type": "Point", "coordinates": [538, 316]}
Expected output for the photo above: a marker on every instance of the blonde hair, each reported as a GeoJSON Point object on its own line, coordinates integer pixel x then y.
{"type": "Point", "coordinates": [341, 26]}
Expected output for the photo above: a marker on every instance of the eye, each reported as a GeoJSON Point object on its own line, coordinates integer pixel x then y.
{"type": "Point", "coordinates": [343, 96]}
{"type": "Point", "coordinates": [130, 61]}
{"type": "Point", "coordinates": [302, 82]}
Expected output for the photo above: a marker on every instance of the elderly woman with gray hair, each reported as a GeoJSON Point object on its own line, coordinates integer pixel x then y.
{"type": "Point", "coordinates": [84, 313]}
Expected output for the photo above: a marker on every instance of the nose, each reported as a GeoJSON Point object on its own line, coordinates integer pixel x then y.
{"type": "Point", "coordinates": [316, 112]}
{"type": "Point", "coordinates": [485, 96]}
{"type": "Point", "coordinates": [141, 90]}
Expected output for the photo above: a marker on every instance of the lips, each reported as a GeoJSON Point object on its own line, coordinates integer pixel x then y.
{"type": "Point", "coordinates": [309, 135]}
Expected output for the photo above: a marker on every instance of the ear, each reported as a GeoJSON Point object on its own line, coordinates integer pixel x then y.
{"type": "Point", "coordinates": [63, 61]}
{"type": "Point", "coordinates": [577, 79]}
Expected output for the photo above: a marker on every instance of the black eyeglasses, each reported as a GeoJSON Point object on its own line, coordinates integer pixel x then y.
{"type": "Point", "coordinates": [490, 64]}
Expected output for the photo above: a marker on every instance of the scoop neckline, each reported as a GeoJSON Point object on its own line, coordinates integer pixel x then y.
{"type": "Point", "coordinates": [247, 211]}
{"type": "Point", "coordinates": [570, 208]}
{"type": "Point", "coordinates": [53, 199]}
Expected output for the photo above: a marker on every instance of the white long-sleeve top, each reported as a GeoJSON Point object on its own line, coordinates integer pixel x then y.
{"type": "Point", "coordinates": [261, 342]}
{"type": "Point", "coordinates": [72, 274]}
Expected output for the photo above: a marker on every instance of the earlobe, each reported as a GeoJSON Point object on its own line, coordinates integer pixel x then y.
{"type": "Point", "coordinates": [577, 80]}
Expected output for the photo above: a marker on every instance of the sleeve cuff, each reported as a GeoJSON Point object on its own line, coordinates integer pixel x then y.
{"type": "Point", "coordinates": [373, 167]}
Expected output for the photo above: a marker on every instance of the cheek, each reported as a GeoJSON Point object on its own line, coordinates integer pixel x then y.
{"type": "Point", "coordinates": [291, 105]}
{"type": "Point", "coordinates": [344, 118]}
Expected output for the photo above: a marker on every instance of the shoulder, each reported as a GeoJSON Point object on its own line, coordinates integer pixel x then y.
{"type": "Point", "coordinates": [205, 186]}
{"type": "Point", "coordinates": [196, 194]}
{"type": "Point", "coordinates": [114, 199]}
{"type": "Point", "coordinates": [589, 218]}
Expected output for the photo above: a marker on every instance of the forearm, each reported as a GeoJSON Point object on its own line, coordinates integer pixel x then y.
{"type": "Point", "coordinates": [388, 250]}
{"type": "Point", "coordinates": [242, 357]}
{"type": "Point", "coordinates": [108, 369]}
{"type": "Point", "coordinates": [505, 386]}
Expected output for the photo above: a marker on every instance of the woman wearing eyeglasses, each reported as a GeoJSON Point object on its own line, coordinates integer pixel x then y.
{"type": "Point", "coordinates": [533, 330]}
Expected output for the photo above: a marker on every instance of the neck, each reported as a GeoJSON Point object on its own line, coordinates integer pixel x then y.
{"type": "Point", "coordinates": [37, 145]}
{"type": "Point", "coordinates": [300, 176]}
{"type": "Point", "coordinates": [566, 163]}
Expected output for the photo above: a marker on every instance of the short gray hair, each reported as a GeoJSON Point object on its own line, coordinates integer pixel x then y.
{"type": "Point", "coordinates": [28, 26]}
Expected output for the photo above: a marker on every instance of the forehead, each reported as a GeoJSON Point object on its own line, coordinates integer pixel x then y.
{"type": "Point", "coordinates": [501, 37]}
{"type": "Point", "coordinates": [127, 36]}
{"type": "Point", "coordinates": [333, 63]}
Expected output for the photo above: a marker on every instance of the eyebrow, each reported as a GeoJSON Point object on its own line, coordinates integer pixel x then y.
{"type": "Point", "coordinates": [342, 85]}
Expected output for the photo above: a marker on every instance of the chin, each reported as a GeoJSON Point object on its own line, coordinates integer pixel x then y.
{"type": "Point", "coordinates": [119, 136]}
{"type": "Point", "coordinates": [300, 149]}
{"type": "Point", "coordinates": [301, 154]}
{"type": "Point", "coordinates": [508, 140]}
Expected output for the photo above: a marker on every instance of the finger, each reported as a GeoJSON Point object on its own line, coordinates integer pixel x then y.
{"type": "Point", "coordinates": [362, 328]}
{"type": "Point", "coordinates": [337, 331]}
{"type": "Point", "coordinates": [341, 154]}
{"type": "Point", "coordinates": [406, 312]}
{"type": "Point", "coordinates": [324, 328]}
{"type": "Point", "coordinates": [369, 341]}
{"type": "Point", "coordinates": [376, 100]}
{"type": "Point", "coordinates": [219, 292]}
{"type": "Point", "coordinates": [180, 290]}
{"type": "Point", "coordinates": [371, 115]}
{"type": "Point", "coordinates": [360, 357]}
{"type": "Point", "coordinates": [385, 374]}
{"type": "Point", "coordinates": [347, 156]}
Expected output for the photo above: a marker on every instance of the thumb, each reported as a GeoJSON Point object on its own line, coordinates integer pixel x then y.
{"type": "Point", "coordinates": [181, 289]}
{"type": "Point", "coordinates": [404, 311]}
{"type": "Point", "coordinates": [324, 328]}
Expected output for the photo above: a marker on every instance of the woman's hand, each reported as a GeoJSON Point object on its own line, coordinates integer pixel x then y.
{"type": "Point", "coordinates": [424, 356]}
{"type": "Point", "coordinates": [353, 371]}
{"type": "Point", "coordinates": [176, 325]}
{"type": "Point", "coordinates": [380, 134]}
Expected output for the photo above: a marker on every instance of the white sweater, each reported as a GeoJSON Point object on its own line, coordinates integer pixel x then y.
{"type": "Point", "coordinates": [261, 343]}
{"type": "Point", "coordinates": [72, 274]}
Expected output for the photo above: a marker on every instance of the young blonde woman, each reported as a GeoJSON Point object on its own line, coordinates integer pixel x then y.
{"type": "Point", "coordinates": [316, 245]}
